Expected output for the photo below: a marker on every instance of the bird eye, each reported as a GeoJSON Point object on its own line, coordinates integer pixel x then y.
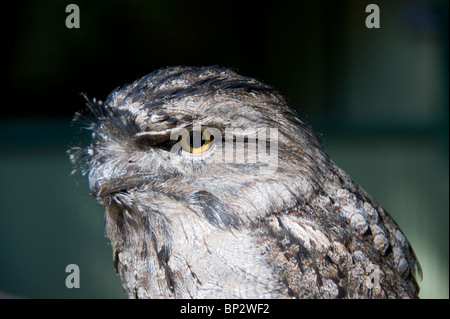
{"type": "Point", "coordinates": [196, 142]}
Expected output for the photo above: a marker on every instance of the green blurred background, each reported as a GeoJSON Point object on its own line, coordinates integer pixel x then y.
{"type": "Point", "coordinates": [378, 99]}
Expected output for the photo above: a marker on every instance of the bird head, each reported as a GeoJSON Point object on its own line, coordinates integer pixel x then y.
{"type": "Point", "coordinates": [204, 138]}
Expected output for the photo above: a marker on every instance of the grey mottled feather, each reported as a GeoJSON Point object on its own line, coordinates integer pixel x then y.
{"type": "Point", "coordinates": [183, 227]}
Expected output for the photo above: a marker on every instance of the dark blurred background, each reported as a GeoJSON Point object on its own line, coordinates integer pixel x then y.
{"type": "Point", "coordinates": [378, 99]}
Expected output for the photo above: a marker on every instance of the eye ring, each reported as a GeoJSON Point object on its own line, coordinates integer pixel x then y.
{"type": "Point", "coordinates": [196, 141]}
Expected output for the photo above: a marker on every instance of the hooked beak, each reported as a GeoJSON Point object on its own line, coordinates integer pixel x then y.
{"type": "Point", "coordinates": [103, 188]}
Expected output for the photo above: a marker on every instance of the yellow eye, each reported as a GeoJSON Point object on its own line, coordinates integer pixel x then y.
{"type": "Point", "coordinates": [196, 142]}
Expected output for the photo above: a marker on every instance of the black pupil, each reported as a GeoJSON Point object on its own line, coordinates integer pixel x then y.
{"type": "Point", "coordinates": [196, 139]}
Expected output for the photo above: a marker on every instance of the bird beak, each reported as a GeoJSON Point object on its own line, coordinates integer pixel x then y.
{"type": "Point", "coordinates": [103, 188]}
